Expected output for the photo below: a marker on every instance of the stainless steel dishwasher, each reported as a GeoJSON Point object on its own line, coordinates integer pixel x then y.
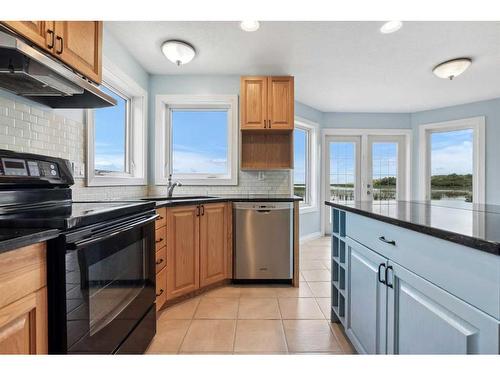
{"type": "Point", "coordinates": [263, 240]}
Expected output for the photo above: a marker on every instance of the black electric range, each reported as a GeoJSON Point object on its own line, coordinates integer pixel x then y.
{"type": "Point", "coordinates": [100, 269]}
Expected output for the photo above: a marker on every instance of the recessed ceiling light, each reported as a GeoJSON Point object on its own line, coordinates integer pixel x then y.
{"type": "Point", "coordinates": [178, 52]}
{"type": "Point", "coordinates": [452, 68]}
{"type": "Point", "coordinates": [391, 27]}
{"type": "Point", "coordinates": [250, 25]}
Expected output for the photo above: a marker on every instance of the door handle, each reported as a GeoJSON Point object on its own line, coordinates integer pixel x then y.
{"type": "Point", "coordinates": [390, 242]}
{"type": "Point", "coordinates": [159, 294]}
{"type": "Point", "coordinates": [379, 273]}
{"type": "Point", "coordinates": [197, 210]}
{"type": "Point", "coordinates": [159, 240]}
{"type": "Point", "coordinates": [391, 285]}
{"type": "Point", "coordinates": [51, 44]}
{"type": "Point", "coordinates": [159, 261]}
{"type": "Point", "coordinates": [60, 40]}
{"type": "Point", "coordinates": [202, 210]}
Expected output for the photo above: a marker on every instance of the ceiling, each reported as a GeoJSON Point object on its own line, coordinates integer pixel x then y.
{"type": "Point", "coordinates": [338, 66]}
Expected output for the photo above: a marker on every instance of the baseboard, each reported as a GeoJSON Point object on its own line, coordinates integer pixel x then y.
{"type": "Point", "coordinates": [310, 236]}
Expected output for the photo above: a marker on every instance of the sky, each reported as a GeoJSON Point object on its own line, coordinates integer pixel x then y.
{"type": "Point", "coordinates": [452, 152]}
{"type": "Point", "coordinates": [300, 145]}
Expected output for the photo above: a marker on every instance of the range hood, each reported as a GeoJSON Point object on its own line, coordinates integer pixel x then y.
{"type": "Point", "coordinates": [27, 72]}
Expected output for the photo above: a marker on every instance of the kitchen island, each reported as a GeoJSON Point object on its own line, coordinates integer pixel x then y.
{"type": "Point", "coordinates": [414, 277]}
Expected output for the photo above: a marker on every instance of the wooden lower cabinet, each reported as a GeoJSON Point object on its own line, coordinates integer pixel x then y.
{"type": "Point", "coordinates": [183, 263]}
{"type": "Point", "coordinates": [23, 301]}
{"type": "Point", "coordinates": [213, 243]}
{"type": "Point", "coordinates": [161, 288]}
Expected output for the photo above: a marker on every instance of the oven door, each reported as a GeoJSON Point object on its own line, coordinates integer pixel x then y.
{"type": "Point", "coordinates": [109, 285]}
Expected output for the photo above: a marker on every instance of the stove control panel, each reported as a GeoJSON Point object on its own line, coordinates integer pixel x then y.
{"type": "Point", "coordinates": [13, 167]}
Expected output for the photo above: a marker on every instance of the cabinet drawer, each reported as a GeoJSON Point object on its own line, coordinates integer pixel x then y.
{"type": "Point", "coordinates": [161, 288]}
{"type": "Point", "coordinates": [160, 238]}
{"type": "Point", "coordinates": [162, 219]}
{"type": "Point", "coordinates": [161, 259]}
{"type": "Point", "coordinates": [467, 273]}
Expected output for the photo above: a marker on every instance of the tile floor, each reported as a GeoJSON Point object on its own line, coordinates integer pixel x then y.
{"type": "Point", "coordinates": [258, 319]}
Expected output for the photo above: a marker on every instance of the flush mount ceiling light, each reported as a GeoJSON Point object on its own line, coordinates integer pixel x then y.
{"type": "Point", "coordinates": [250, 25]}
{"type": "Point", "coordinates": [178, 52]}
{"type": "Point", "coordinates": [391, 27]}
{"type": "Point", "coordinates": [452, 68]}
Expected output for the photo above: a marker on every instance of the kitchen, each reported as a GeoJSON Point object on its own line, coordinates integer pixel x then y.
{"type": "Point", "coordinates": [162, 193]}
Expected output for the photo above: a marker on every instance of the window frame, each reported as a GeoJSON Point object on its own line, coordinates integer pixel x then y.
{"type": "Point", "coordinates": [165, 104]}
{"type": "Point", "coordinates": [478, 125]}
{"type": "Point", "coordinates": [310, 204]}
{"type": "Point", "coordinates": [135, 133]}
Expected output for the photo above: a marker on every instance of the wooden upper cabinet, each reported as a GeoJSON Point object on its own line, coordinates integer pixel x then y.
{"type": "Point", "coordinates": [213, 243]}
{"type": "Point", "coordinates": [253, 102]}
{"type": "Point", "coordinates": [182, 250]}
{"type": "Point", "coordinates": [79, 44]}
{"type": "Point", "coordinates": [40, 33]}
{"type": "Point", "coordinates": [280, 99]}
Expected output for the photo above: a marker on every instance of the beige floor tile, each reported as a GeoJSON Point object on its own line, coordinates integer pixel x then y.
{"type": "Point", "coordinates": [259, 336]}
{"type": "Point", "coordinates": [303, 290]}
{"type": "Point", "coordinates": [312, 265]}
{"type": "Point", "coordinates": [300, 308]}
{"type": "Point", "coordinates": [310, 336]}
{"type": "Point", "coordinates": [209, 336]}
{"type": "Point", "coordinates": [320, 288]}
{"type": "Point", "coordinates": [183, 310]}
{"type": "Point", "coordinates": [316, 275]}
{"type": "Point", "coordinates": [225, 291]}
{"type": "Point", "coordinates": [217, 308]}
{"type": "Point", "coordinates": [301, 278]}
{"type": "Point", "coordinates": [342, 339]}
{"type": "Point", "coordinates": [325, 304]}
{"type": "Point", "coordinates": [262, 291]}
{"type": "Point", "coordinates": [315, 256]}
{"type": "Point", "coordinates": [169, 336]}
{"type": "Point", "coordinates": [259, 308]}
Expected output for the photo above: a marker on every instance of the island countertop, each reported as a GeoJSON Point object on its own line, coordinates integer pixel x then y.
{"type": "Point", "coordinates": [472, 225]}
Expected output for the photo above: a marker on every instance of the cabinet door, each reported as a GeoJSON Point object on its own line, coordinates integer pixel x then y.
{"type": "Point", "coordinates": [183, 229]}
{"type": "Point", "coordinates": [280, 99]}
{"type": "Point", "coordinates": [23, 325]}
{"type": "Point", "coordinates": [79, 44]}
{"type": "Point", "coordinates": [253, 102]}
{"type": "Point", "coordinates": [39, 32]}
{"type": "Point", "coordinates": [213, 243]}
{"type": "Point", "coordinates": [366, 299]}
{"type": "Point", "coordinates": [425, 319]}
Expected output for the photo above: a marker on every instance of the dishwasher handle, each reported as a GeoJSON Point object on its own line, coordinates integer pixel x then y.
{"type": "Point", "coordinates": [263, 207]}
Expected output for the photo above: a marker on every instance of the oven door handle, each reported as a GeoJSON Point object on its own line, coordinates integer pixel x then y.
{"type": "Point", "coordinates": [115, 232]}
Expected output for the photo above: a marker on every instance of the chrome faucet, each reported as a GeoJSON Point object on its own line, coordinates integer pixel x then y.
{"type": "Point", "coordinates": [171, 186]}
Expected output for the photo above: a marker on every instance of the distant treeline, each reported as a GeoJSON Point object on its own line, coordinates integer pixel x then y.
{"type": "Point", "coordinates": [452, 181]}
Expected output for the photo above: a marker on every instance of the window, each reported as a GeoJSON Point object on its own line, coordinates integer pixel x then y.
{"type": "Point", "coordinates": [453, 161]}
{"type": "Point", "coordinates": [304, 172]}
{"type": "Point", "coordinates": [196, 139]}
{"type": "Point", "coordinates": [343, 174]}
{"type": "Point", "coordinates": [116, 136]}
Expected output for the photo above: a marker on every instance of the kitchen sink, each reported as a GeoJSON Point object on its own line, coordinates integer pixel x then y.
{"type": "Point", "coordinates": [178, 197]}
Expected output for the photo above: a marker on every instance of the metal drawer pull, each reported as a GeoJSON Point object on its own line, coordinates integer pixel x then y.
{"type": "Point", "coordinates": [159, 261]}
{"type": "Point", "coordinates": [51, 44]}
{"type": "Point", "coordinates": [379, 273]}
{"type": "Point", "coordinates": [159, 218]}
{"type": "Point", "coordinates": [390, 285]}
{"type": "Point", "coordinates": [159, 294]}
{"type": "Point", "coordinates": [159, 240]}
{"type": "Point", "coordinates": [390, 242]}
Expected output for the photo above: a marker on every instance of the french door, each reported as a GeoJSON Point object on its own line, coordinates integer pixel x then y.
{"type": "Point", "coordinates": [365, 167]}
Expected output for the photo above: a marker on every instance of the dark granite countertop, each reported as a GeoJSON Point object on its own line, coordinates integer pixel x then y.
{"type": "Point", "coordinates": [14, 238]}
{"type": "Point", "coordinates": [476, 226]}
{"type": "Point", "coordinates": [165, 202]}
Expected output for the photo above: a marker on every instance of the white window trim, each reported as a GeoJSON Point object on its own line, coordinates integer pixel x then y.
{"type": "Point", "coordinates": [363, 134]}
{"type": "Point", "coordinates": [478, 125]}
{"type": "Point", "coordinates": [137, 137]}
{"type": "Point", "coordinates": [313, 168]}
{"type": "Point", "coordinates": [163, 137]}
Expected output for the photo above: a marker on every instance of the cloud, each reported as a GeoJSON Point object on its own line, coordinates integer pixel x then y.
{"type": "Point", "coordinates": [196, 162]}
{"type": "Point", "coordinates": [455, 158]}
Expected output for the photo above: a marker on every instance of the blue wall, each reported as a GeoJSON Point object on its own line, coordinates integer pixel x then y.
{"type": "Point", "coordinates": [490, 109]}
{"type": "Point", "coordinates": [366, 120]}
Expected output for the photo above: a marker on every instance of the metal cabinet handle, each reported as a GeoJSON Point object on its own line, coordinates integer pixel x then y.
{"type": "Point", "coordinates": [159, 261]}
{"type": "Point", "coordinates": [159, 294]}
{"type": "Point", "coordinates": [390, 242]}
{"type": "Point", "coordinates": [159, 240]}
{"type": "Point", "coordinates": [202, 210]}
{"type": "Point", "coordinates": [51, 44]}
{"type": "Point", "coordinates": [390, 285]}
{"type": "Point", "coordinates": [379, 273]}
{"type": "Point", "coordinates": [159, 218]}
{"type": "Point", "coordinates": [60, 40]}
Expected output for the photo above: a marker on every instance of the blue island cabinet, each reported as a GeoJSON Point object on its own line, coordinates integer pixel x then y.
{"type": "Point", "coordinates": [388, 307]}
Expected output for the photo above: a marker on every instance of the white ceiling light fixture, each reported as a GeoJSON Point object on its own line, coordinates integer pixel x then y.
{"type": "Point", "coordinates": [250, 26]}
{"type": "Point", "coordinates": [178, 52]}
{"type": "Point", "coordinates": [391, 27]}
{"type": "Point", "coordinates": [452, 68]}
